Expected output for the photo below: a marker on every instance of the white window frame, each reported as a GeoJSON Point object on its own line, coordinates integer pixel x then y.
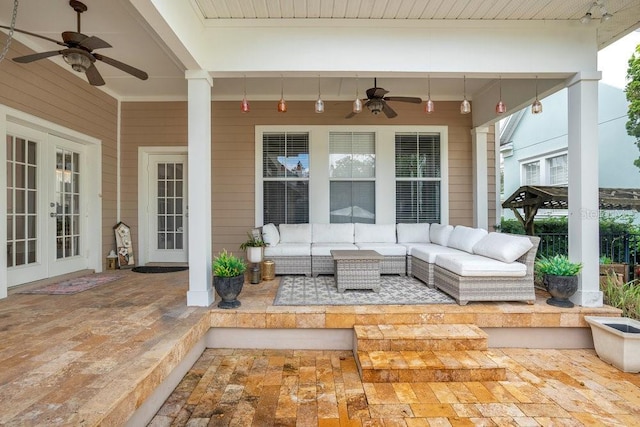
{"type": "Point", "coordinates": [319, 168]}
{"type": "Point", "coordinates": [548, 169]}
{"type": "Point", "coordinates": [543, 166]}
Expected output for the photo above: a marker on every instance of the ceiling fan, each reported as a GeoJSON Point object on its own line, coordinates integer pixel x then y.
{"type": "Point", "coordinates": [376, 101]}
{"type": "Point", "coordinates": [78, 51]}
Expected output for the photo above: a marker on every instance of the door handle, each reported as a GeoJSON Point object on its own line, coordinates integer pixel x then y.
{"type": "Point", "coordinates": [52, 214]}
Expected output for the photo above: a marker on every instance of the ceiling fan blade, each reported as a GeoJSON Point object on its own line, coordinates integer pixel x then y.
{"type": "Point", "coordinates": [94, 77]}
{"type": "Point", "coordinates": [35, 56]}
{"type": "Point", "coordinates": [34, 35]}
{"type": "Point", "coordinates": [388, 111]}
{"type": "Point", "coordinates": [82, 40]}
{"type": "Point", "coordinates": [122, 66]}
{"type": "Point", "coordinates": [411, 99]}
{"type": "Point", "coordinates": [350, 115]}
{"type": "Point", "coordinates": [378, 92]}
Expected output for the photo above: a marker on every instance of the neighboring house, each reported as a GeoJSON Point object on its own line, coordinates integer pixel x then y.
{"type": "Point", "coordinates": [534, 147]}
{"type": "Point", "coordinates": [177, 160]}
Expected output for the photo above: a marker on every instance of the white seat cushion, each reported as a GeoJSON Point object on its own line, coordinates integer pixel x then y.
{"type": "Point", "coordinates": [411, 246]}
{"type": "Point", "coordinates": [503, 247]}
{"type": "Point", "coordinates": [324, 249]}
{"type": "Point", "coordinates": [288, 249]}
{"type": "Point", "coordinates": [439, 233]}
{"type": "Point", "coordinates": [384, 249]}
{"type": "Point", "coordinates": [464, 238]}
{"type": "Point", "coordinates": [270, 235]}
{"type": "Point", "coordinates": [428, 252]}
{"type": "Point", "coordinates": [332, 233]}
{"type": "Point", "coordinates": [469, 265]}
{"type": "Point", "coordinates": [295, 233]}
{"type": "Point", "coordinates": [378, 233]}
{"type": "Point", "coordinates": [413, 233]}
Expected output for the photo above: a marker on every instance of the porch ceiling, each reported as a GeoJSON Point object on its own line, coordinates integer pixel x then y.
{"type": "Point", "coordinates": [142, 37]}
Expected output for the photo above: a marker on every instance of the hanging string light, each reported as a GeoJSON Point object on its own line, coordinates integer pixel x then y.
{"type": "Point", "coordinates": [465, 105]}
{"type": "Point", "coordinates": [357, 103]}
{"type": "Point", "coordinates": [500, 107]}
{"type": "Point", "coordinates": [282, 105]}
{"type": "Point", "coordinates": [536, 107]}
{"type": "Point", "coordinates": [429, 107]}
{"type": "Point", "coordinates": [319, 102]}
{"type": "Point", "coordinates": [244, 105]}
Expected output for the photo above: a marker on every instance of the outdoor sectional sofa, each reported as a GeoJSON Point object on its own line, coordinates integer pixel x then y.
{"type": "Point", "coordinates": [467, 263]}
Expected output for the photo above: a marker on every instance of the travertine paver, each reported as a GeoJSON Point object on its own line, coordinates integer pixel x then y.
{"type": "Point", "coordinates": [309, 388]}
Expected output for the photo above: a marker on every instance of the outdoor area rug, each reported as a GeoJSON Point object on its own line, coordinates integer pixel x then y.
{"type": "Point", "coordinates": [322, 290]}
{"type": "Point", "coordinates": [72, 286]}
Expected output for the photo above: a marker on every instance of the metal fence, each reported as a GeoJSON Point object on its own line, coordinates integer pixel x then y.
{"type": "Point", "coordinates": [619, 248]}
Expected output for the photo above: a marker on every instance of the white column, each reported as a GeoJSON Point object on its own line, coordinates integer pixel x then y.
{"type": "Point", "coordinates": [199, 157]}
{"type": "Point", "coordinates": [583, 186]}
{"type": "Point", "coordinates": [480, 179]}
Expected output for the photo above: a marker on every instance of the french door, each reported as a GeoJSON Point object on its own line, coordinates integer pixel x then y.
{"type": "Point", "coordinates": [46, 227]}
{"type": "Point", "coordinates": [167, 208]}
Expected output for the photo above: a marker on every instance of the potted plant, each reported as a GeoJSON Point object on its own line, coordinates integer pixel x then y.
{"type": "Point", "coordinates": [560, 277]}
{"type": "Point", "coordinates": [228, 278]}
{"type": "Point", "coordinates": [254, 246]}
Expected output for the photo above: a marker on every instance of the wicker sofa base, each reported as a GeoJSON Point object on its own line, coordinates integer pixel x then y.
{"type": "Point", "coordinates": [292, 264]}
{"type": "Point", "coordinates": [464, 289]}
{"type": "Point", "coordinates": [421, 270]}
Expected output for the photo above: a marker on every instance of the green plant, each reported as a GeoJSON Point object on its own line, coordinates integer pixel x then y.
{"type": "Point", "coordinates": [252, 242]}
{"type": "Point", "coordinates": [605, 260]}
{"type": "Point", "coordinates": [228, 265]}
{"type": "Point", "coordinates": [557, 265]}
{"type": "Point", "coordinates": [625, 296]}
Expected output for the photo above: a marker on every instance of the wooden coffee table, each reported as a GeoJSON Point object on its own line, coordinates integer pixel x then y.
{"type": "Point", "coordinates": [357, 269]}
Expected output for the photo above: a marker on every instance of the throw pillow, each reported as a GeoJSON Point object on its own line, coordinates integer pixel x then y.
{"type": "Point", "coordinates": [464, 238]}
{"type": "Point", "coordinates": [270, 235]}
{"type": "Point", "coordinates": [503, 247]}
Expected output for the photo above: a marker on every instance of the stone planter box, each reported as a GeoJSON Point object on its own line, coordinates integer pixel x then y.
{"type": "Point", "coordinates": [617, 269]}
{"type": "Point", "coordinates": [621, 349]}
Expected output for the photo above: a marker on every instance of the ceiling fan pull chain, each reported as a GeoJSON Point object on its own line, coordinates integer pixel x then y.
{"type": "Point", "coordinates": [5, 49]}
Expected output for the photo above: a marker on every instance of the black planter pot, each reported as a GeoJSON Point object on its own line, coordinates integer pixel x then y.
{"type": "Point", "coordinates": [228, 288]}
{"type": "Point", "coordinates": [561, 288]}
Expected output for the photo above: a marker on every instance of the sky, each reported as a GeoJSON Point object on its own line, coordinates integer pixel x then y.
{"type": "Point", "coordinates": [613, 60]}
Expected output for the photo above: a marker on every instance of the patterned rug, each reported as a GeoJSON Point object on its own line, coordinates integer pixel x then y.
{"type": "Point", "coordinates": [322, 290]}
{"type": "Point", "coordinates": [72, 286]}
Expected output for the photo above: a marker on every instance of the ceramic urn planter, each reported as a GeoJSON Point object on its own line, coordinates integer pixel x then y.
{"type": "Point", "coordinates": [617, 341]}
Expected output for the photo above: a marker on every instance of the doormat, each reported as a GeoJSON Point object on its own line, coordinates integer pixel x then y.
{"type": "Point", "coordinates": [72, 286]}
{"type": "Point", "coordinates": [158, 269]}
{"type": "Point", "coordinates": [322, 290]}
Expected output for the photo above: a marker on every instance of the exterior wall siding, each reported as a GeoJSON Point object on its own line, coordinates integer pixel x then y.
{"type": "Point", "coordinates": [233, 153]}
{"type": "Point", "coordinates": [44, 90]}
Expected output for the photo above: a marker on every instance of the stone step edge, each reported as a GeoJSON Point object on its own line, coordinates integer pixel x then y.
{"type": "Point", "coordinates": [449, 360]}
{"type": "Point", "coordinates": [366, 332]}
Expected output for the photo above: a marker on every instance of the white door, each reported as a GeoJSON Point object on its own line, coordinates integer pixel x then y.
{"type": "Point", "coordinates": [45, 201]}
{"type": "Point", "coordinates": [167, 211]}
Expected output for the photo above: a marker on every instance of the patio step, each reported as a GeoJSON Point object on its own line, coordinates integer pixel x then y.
{"type": "Point", "coordinates": [420, 337]}
{"type": "Point", "coordinates": [424, 353]}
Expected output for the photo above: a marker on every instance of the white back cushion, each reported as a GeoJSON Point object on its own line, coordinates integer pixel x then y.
{"type": "Point", "coordinates": [503, 247]}
{"type": "Point", "coordinates": [413, 233]}
{"type": "Point", "coordinates": [439, 234]}
{"type": "Point", "coordinates": [295, 233]}
{"type": "Point", "coordinates": [464, 238]}
{"type": "Point", "coordinates": [332, 233]}
{"type": "Point", "coordinates": [375, 233]}
{"type": "Point", "coordinates": [270, 235]}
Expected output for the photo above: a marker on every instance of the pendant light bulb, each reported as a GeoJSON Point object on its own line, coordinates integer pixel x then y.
{"type": "Point", "coordinates": [429, 107]}
{"type": "Point", "coordinates": [536, 107]}
{"type": "Point", "coordinates": [244, 105]}
{"type": "Point", "coordinates": [500, 107]}
{"type": "Point", "coordinates": [282, 105]}
{"type": "Point", "coordinates": [465, 105]}
{"type": "Point", "coordinates": [319, 108]}
{"type": "Point", "coordinates": [357, 103]}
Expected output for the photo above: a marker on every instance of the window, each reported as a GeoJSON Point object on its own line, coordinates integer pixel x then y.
{"type": "Point", "coordinates": [285, 169]}
{"type": "Point", "coordinates": [352, 187]}
{"type": "Point", "coordinates": [418, 177]}
{"type": "Point", "coordinates": [558, 170]}
{"type": "Point", "coordinates": [531, 173]}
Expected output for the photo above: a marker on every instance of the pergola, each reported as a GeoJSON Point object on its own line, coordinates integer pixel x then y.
{"type": "Point", "coordinates": [532, 198]}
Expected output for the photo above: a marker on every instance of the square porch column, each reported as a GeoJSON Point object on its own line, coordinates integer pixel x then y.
{"type": "Point", "coordinates": [480, 178]}
{"type": "Point", "coordinates": [199, 173]}
{"type": "Point", "coordinates": [584, 214]}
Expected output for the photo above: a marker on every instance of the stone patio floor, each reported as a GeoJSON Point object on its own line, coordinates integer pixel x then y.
{"type": "Point", "coordinates": [92, 358]}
